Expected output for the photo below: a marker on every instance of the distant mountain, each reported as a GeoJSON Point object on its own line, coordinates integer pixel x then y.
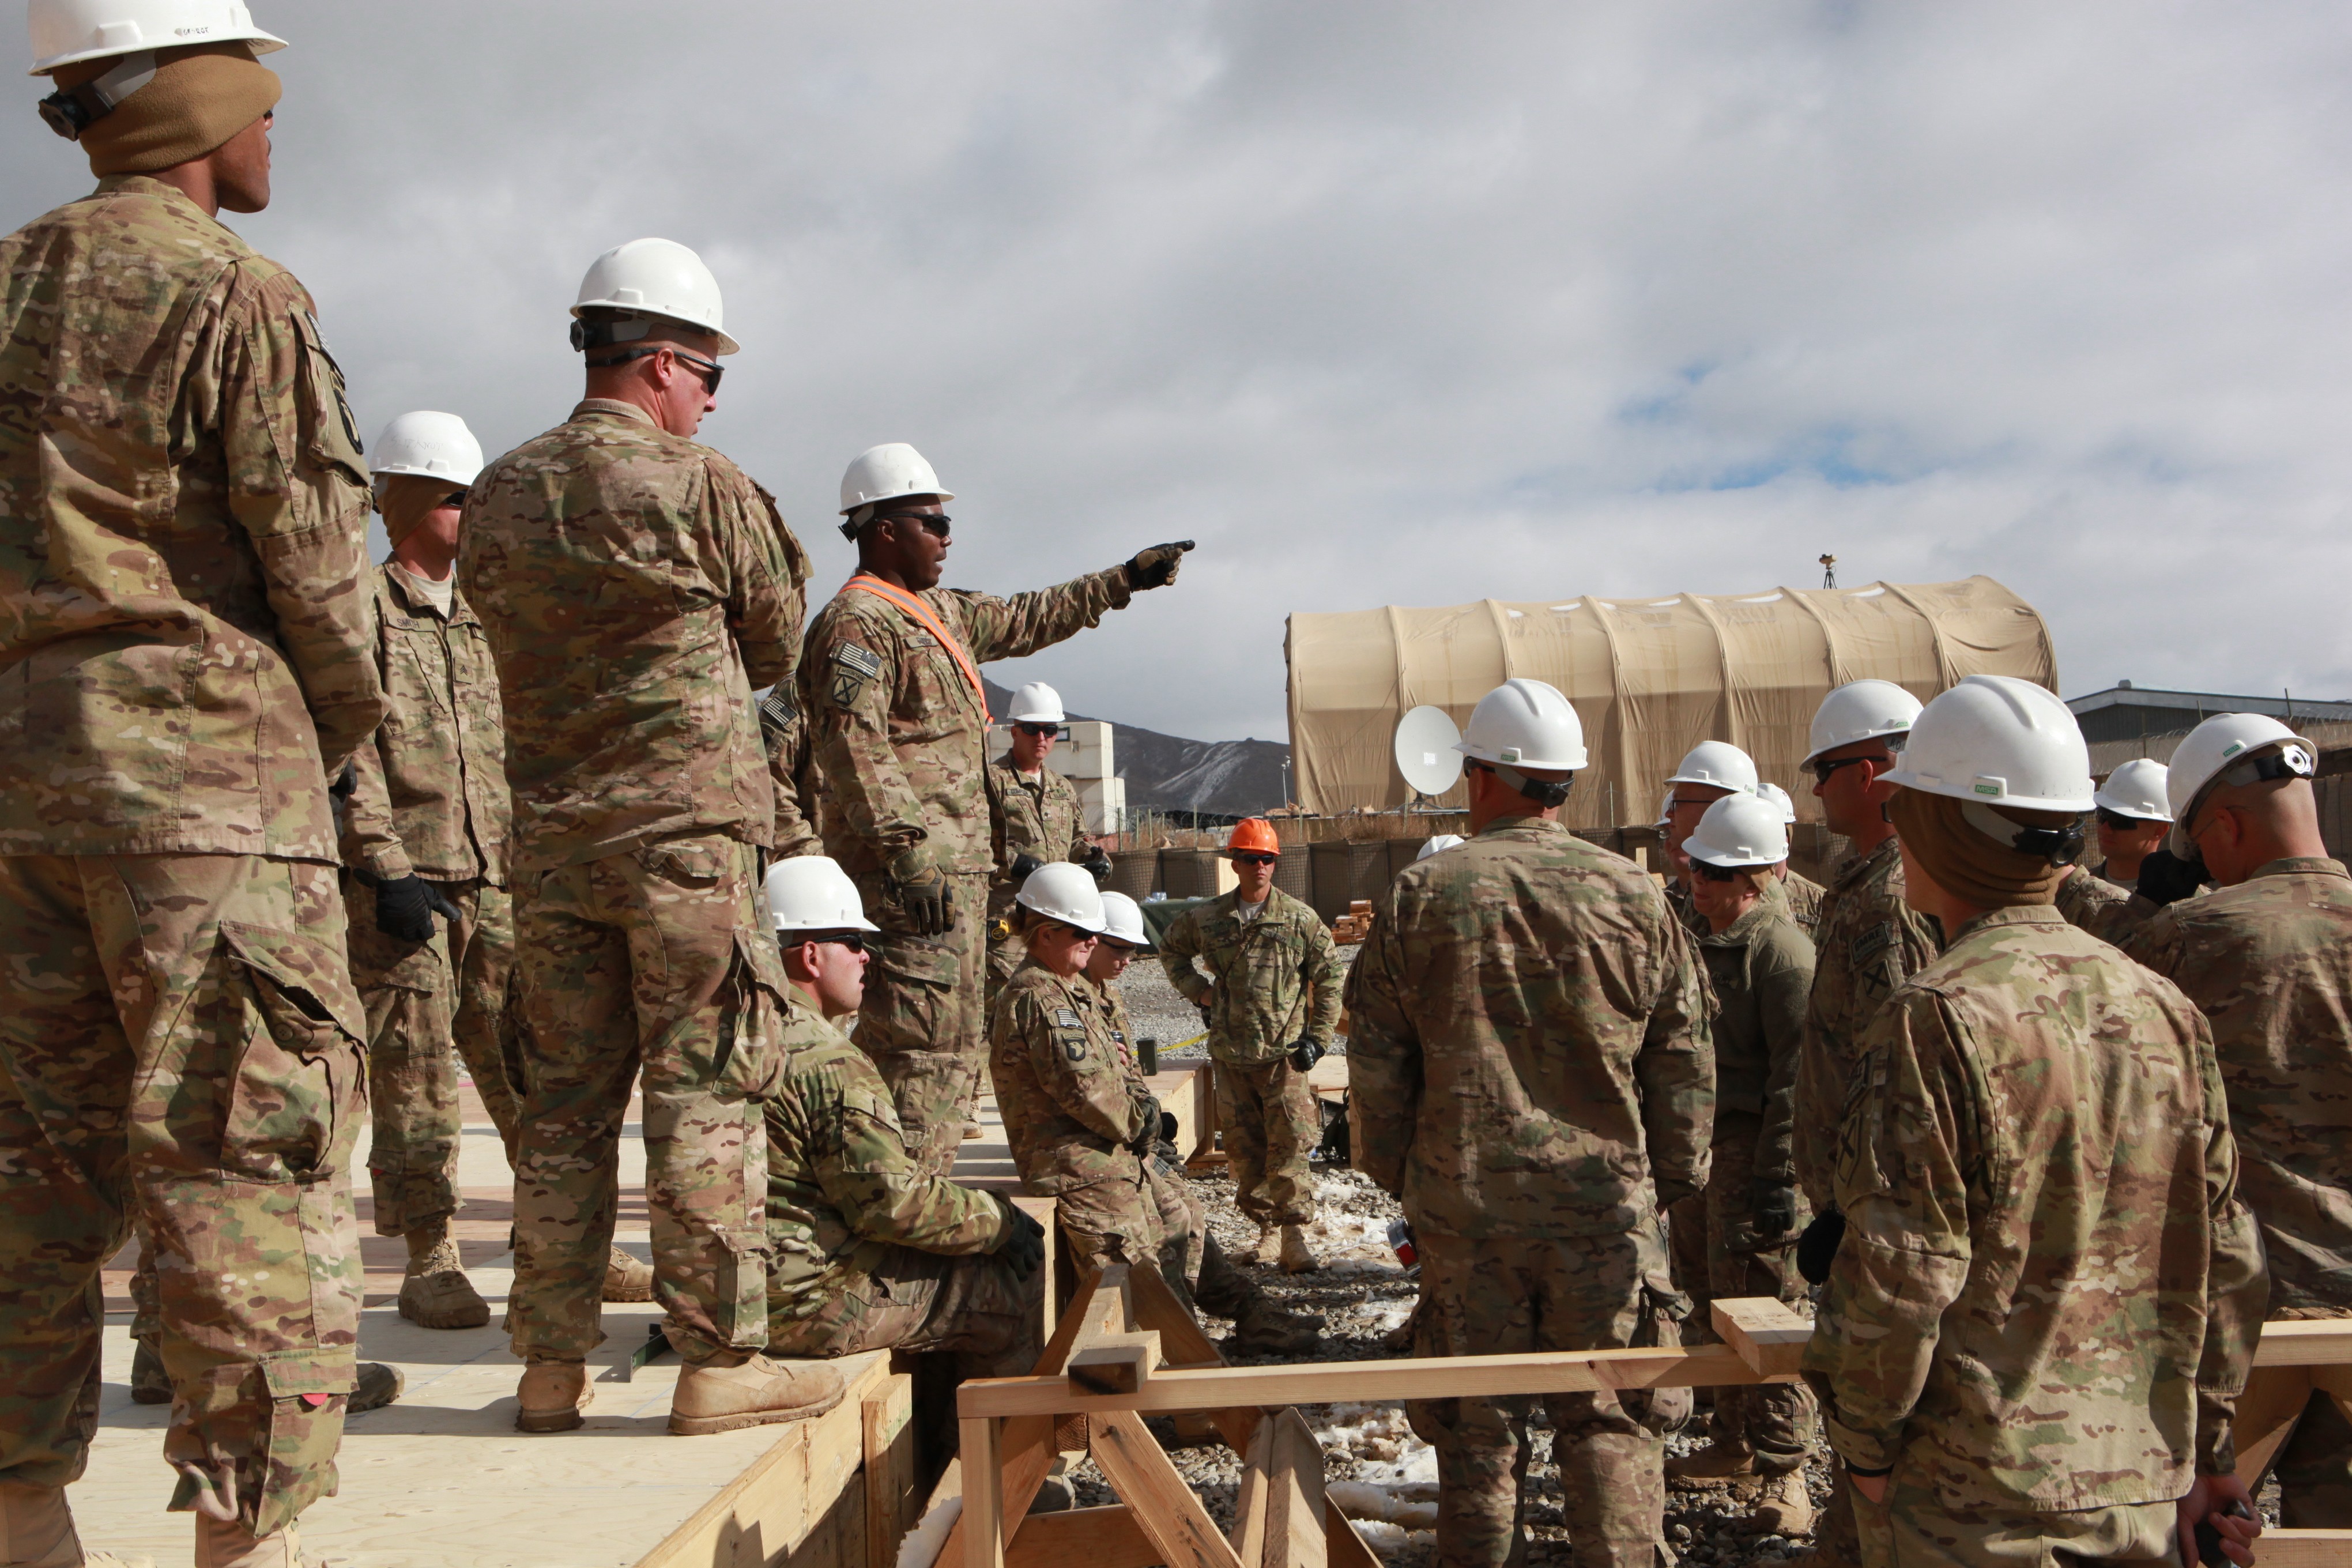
{"type": "Point", "coordinates": [1163, 773]}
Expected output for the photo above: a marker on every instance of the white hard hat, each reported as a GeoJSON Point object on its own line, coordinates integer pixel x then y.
{"type": "Point", "coordinates": [1035, 703]}
{"type": "Point", "coordinates": [64, 32]}
{"type": "Point", "coordinates": [650, 277]}
{"type": "Point", "coordinates": [1998, 740]}
{"type": "Point", "coordinates": [1779, 800]}
{"type": "Point", "coordinates": [1528, 724]}
{"type": "Point", "coordinates": [1716, 763]}
{"type": "Point", "coordinates": [2225, 749]}
{"type": "Point", "coordinates": [1739, 830]}
{"type": "Point", "coordinates": [1666, 806]}
{"type": "Point", "coordinates": [888, 472]}
{"type": "Point", "coordinates": [1065, 893]}
{"type": "Point", "coordinates": [1123, 920]}
{"type": "Point", "coordinates": [2136, 789]}
{"type": "Point", "coordinates": [430, 445]}
{"type": "Point", "coordinates": [1860, 711]}
{"type": "Point", "coordinates": [1440, 843]}
{"type": "Point", "coordinates": [810, 893]}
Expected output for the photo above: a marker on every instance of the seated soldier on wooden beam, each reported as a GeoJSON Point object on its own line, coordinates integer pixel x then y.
{"type": "Point", "coordinates": [868, 1252]}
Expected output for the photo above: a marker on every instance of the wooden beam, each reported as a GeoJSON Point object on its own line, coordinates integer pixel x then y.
{"type": "Point", "coordinates": [1374, 1381]}
{"type": "Point", "coordinates": [982, 1524]}
{"type": "Point", "coordinates": [1116, 1363]}
{"type": "Point", "coordinates": [887, 1422]}
{"type": "Point", "coordinates": [2267, 1411]}
{"type": "Point", "coordinates": [1082, 1538]}
{"type": "Point", "coordinates": [1294, 1512]}
{"type": "Point", "coordinates": [1341, 1545]}
{"type": "Point", "coordinates": [1252, 1497]}
{"type": "Point", "coordinates": [1163, 1503]}
{"type": "Point", "coordinates": [2304, 1548]}
{"type": "Point", "coordinates": [2310, 1341]}
{"type": "Point", "coordinates": [1768, 1335]}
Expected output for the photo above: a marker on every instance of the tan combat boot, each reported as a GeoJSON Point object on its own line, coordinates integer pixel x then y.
{"type": "Point", "coordinates": [435, 1294]}
{"type": "Point", "coordinates": [379, 1385]}
{"type": "Point", "coordinates": [1298, 1256]}
{"type": "Point", "coordinates": [150, 1383]}
{"type": "Point", "coordinates": [37, 1530]}
{"type": "Point", "coordinates": [1264, 1329]}
{"type": "Point", "coordinates": [551, 1395]}
{"type": "Point", "coordinates": [627, 1278]}
{"type": "Point", "coordinates": [714, 1398]}
{"type": "Point", "coordinates": [1786, 1508]}
{"type": "Point", "coordinates": [1269, 1245]}
{"type": "Point", "coordinates": [1718, 1461]}
{"type": "Point", "coordinates": [222, 1545]}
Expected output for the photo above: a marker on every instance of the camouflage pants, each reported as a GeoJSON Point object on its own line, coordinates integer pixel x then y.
{"type": "Point", "coordinates": [179, 1040]}
{"type": "Point", "coordinates": [1508, 1296]}
{"type": "Point", "coordinates": [1774, 1419]}
{"type": "Point", "coordinates": [422, 998]}
{"type": "Point", "coordinates": [651, 965]}
{"type": "Point", "coordinates": [912, 1301]}
{"type": "Point", "coordinates": [1916, 1528]}
{"type": "Point", "coordinates": [1271, 1123]}
{"type": "Point", "coordinates": [1115, 1219]}
{"type": "Point", "coordinates": [1192, 1262]}
{"type": "Point", "coordinates": [923, 1021]}
{"type": "Point", "coordinates": [1005, 954]}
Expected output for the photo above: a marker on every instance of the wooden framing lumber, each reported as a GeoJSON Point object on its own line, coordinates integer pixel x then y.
{"type": "Point", "coordinates": [2305, 1341]}
{"type": "Point", "coordinates": [982, 1526]}
{"type": "Point", "coordinates": [1082, 1538]}
{"type": "Point", "coordinates": [1161, 1499]}
{"type": "Point", "coordinates": [1116, 1363]}
{"type": "Point", "coordinates": [2304, 1549]}
{"type": "Point", "coordinates": [1767, 1334]}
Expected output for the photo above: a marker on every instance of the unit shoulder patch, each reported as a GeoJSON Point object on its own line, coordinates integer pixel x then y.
{"type": "Point", "coordinates": [853, 667]}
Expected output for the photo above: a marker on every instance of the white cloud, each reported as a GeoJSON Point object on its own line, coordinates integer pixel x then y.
{"type": "Point", "coordinates": [1409, 303]}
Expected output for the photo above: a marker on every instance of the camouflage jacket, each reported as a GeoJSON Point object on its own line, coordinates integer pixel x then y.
{"type": "Point", "coordinates": [792, 772]}
{"type": "Point", "coordinates": [900, 733]}
{"type": "Point", "coordinates": [1762, 972]}
{"type": "Point", "coordinates": [2269, 962]}
{"type": "Point", "coordinates": [636, 587]}
{"type": "Point", "coordinates": [1869, 942]}
{"type": "Point", "coordinates": [841, 1191]}
{"type": "Point", "coordinates": [430, 791]}
{"type": "Point", "coordinates": [1272, 982]}
{"type": "Point", "coordinates": [1043, 819]}
{"type": "Point", "coordinates": [1062, 1084]}
{"type": "Point", "coordinates": [2095, 905]}
{"type": "Point", "coordinates": [2047, 1296]}
{"type": "Point", "coordinates": [1530, 1055]}
{"type": "Point", "coordinates": [1801, 901]}
{"type": "Point", "coordinates": [186, 659]}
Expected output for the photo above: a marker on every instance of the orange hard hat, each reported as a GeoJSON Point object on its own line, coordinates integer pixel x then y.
{"type": "Point", "coordinates": [1254, 835]}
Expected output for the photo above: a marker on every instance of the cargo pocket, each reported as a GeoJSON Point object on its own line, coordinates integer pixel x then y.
{"type": "Point", "coordinates": [751, 1045]}
{"type": "Point", "coordinates": [916, 979]}
{"type": "Point", "coordinates": [331, 437]}
{"type": "Point", "coordinates": [297, 1082]}
{"type": "Point", "coordinates": [688, 862]}
{"type": "Point", "coordinates": [1861, 1130]}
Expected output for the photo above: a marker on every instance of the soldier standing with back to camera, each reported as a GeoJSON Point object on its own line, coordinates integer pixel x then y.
{"type": "Point", "coordinates": [1270, 996]}
{"type": "Point", "coordinates": [1533, 1078]}
{"type": "Point", "coordinates": [636, 587]}
{"type": "Point", "coordinates": [183, 665]}
{"type": "Point", "coordinates": [2267, 958]}
{"type": "Point", "coordinates": [900, 728]}
{"type": "Point", "coordinates": [2045, 1301]}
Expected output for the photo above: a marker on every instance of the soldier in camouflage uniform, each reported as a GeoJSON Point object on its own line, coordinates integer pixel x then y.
{"type": "Point", "coordinates": [1869, 941]}
{"type": "Point", "coordinates": [1534, 1116]}
{"type": "Point", "coordinates": [2095, 905]}
{"type": "Point", "coordinates": [182, 553]}
{"type": "Point", "coordinates": [1082, 1129]}
{"type": "Point", "coordinates": [868, 1252]}
{"type": "Point", "coordinates": [2268, 960]}
{"type": "Point", "coordinates": [1035, 817]}
{"type": "Point", "coordinates": [1800, 896]}
{"type": "Point", "coordinates": [636, 587]}
{"type": "Point", "coordinates": [2046, 1299]}
{"type": "Point", "coordinates": [1761, 969]}
{"type": "Point", "coordinates": [1190, 1258]}
{"type": "Point", "coordinates": [1267, 984]}
{"type": "Point", "coordinates": [892, 688]}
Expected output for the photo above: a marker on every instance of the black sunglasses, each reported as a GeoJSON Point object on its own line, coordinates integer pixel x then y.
{"type": "Point", "coordinates": [709, 370]}
{"type": "Point", "coordinates": [1039, 729]}
{"type": "Point", "coordinates": [1255, 859]}
{"type": "Point", "coordinates": [2118, 821]}
{"type": "Point", "coordinates": [854, 941]}
{"type": "Point", "coordinates": [1823, 767]}
{"type": "Point", "coordinates": [1714, 873]}
{"type": "Point", "coordinates": [935, 523]}
{"type": "Point", "coordinates": [455, 498]}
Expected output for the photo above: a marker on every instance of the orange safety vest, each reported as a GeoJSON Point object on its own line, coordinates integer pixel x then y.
{"type": "Point", "coordinates": [922, 612]}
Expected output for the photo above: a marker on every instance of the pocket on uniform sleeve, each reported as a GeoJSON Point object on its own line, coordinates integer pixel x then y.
{"type": "Point", "coordinates": [331, 437]}
{"type": "Point", "coordinates": [299, 1080]}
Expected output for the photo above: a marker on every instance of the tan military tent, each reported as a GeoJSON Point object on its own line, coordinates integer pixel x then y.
{"type": "Point", "coordinates": [1650, 678]}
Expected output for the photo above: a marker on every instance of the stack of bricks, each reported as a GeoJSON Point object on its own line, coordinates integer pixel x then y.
{"type": "Point", "coordinates": [1355, 925]}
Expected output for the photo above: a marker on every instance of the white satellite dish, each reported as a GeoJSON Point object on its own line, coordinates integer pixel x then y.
{"type": "Point", "coordinates": [1425, 738]}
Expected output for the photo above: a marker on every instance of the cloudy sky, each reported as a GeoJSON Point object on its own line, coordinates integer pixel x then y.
{"type": "Point", "coordinates": [1409, 303]}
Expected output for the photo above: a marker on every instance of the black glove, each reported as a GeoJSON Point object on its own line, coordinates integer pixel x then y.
{"type": "Point", "coordinates": [921, 890]}
{"type": "Point", "coordinates": [1156, 567]}
{"type": "Point", "coordinates": [1774, 1205]}
{"type": "Point", "coordinates": [1023, 1246]}
{"type": "Point", "coordinates": [1818, 1248]}
{"type": "Point", "coordinates": [1305, 1054]}
{"type": "Point", "coordinates": [405, 908]}
{"type": "Point", "coordinates": [1672, 1192]}
{"type": "Point", "coordinates": [2165, 878]}
{"type": "Point", "coordinates": [1167, 1127]}
{"type": "Point", "coordinates": [1167, 1156]}
{"type": "Point", "coordinates": [1097, 863]}
{"type": "Point", "coordinates": [1024, 867]}
{"type": "Point", "coordinates": [1148, 1133]}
